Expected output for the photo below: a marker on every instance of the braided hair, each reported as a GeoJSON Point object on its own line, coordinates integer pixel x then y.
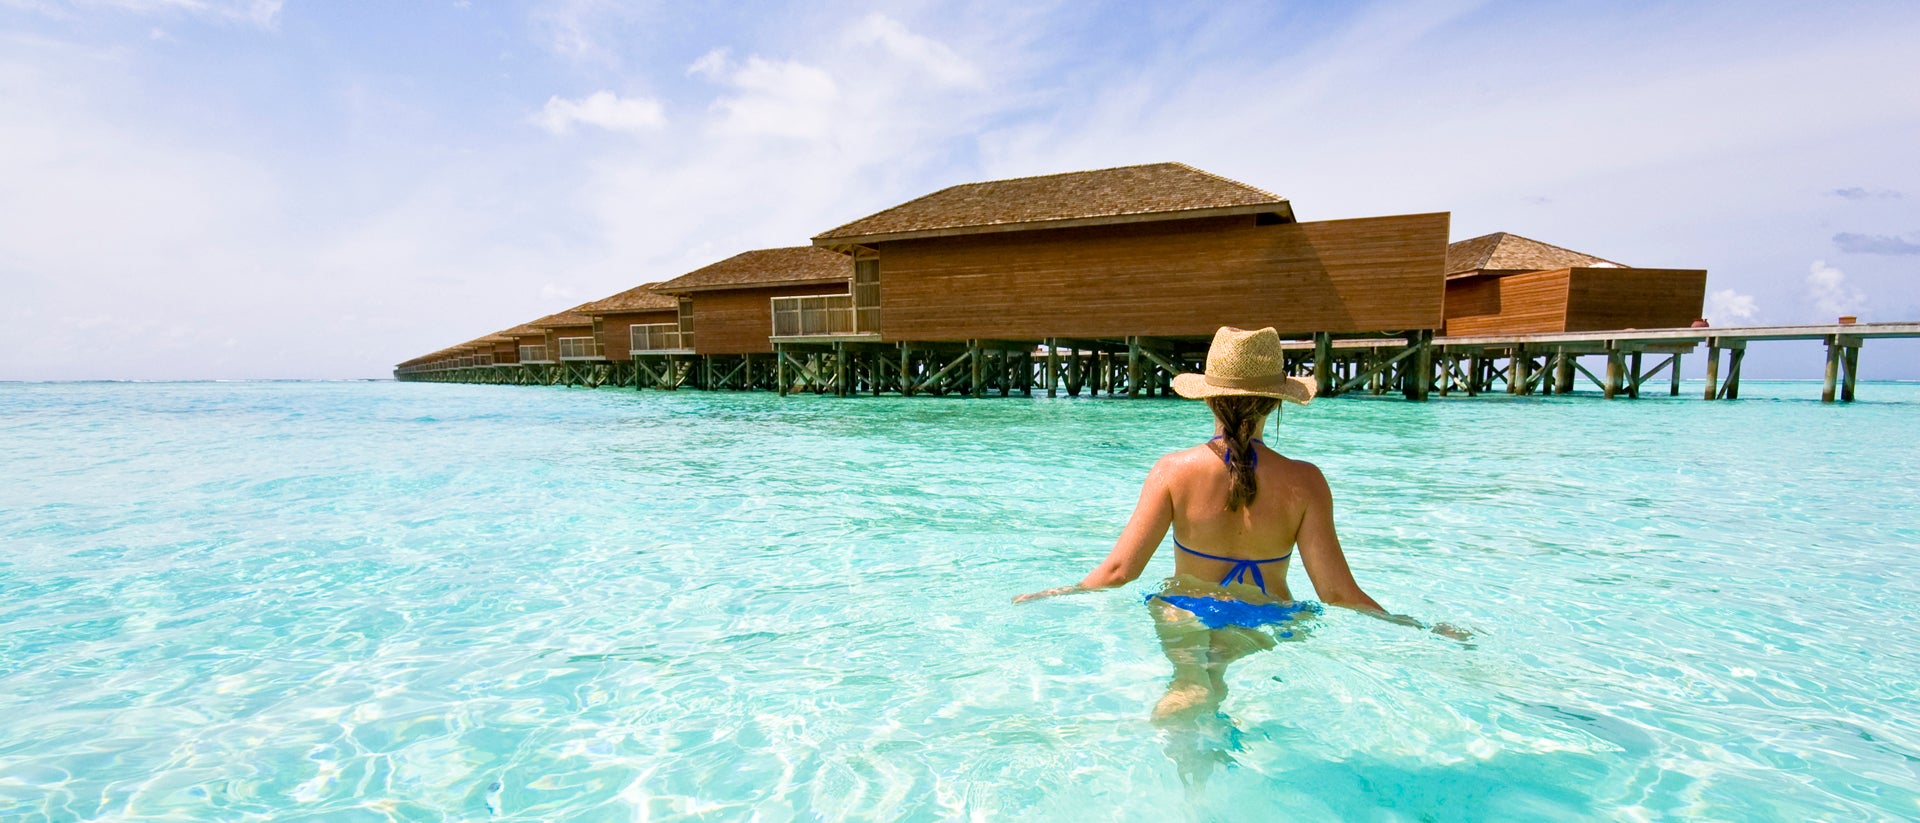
{"type": "Point", "coordinates": [1239, 417]}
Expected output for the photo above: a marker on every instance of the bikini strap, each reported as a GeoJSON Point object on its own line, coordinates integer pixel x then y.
{"type": "Point", "coordinates": [1227, 458]}
{"type": "Point", "coordinates": [1242, 567]}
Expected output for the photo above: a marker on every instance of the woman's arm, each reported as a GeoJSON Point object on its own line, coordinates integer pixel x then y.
{"type": "Point", "coordinates": [1320, 550]}
{"type": "Point", "coordinates": [1152, 516]}
{"type": "Point", "coordinates": [1327, 564]}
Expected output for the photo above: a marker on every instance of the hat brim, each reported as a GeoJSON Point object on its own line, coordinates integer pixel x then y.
{"type": "Point", "coordinates": [1291, 389]}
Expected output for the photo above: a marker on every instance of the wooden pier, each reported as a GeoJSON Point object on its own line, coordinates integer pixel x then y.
{"type": "Point", "coordinates": [1416, 366]}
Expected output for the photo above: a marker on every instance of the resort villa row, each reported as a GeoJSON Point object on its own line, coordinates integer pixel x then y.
{"type": "Point", "coordinates": [1112, 279]}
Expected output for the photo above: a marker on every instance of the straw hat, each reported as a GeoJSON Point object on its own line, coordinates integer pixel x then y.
{"type": "Point", "coordinates": [1242, 362]}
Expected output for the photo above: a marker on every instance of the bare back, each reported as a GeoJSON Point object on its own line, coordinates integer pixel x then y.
{"type": "Point", "coordinates": [1186, 492]}
{"type": "Point", "coordinates": [1267, 528]}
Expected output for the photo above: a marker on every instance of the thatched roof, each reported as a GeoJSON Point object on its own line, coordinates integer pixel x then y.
{"type": "Point", "coordinates": [1504, 252]}
{"type": "Point", "coordinates": [1127, 194]}
{"type": "Point", "coordinates": [638, 298]}
{"type": "Point", "coordinates": [766, 267]}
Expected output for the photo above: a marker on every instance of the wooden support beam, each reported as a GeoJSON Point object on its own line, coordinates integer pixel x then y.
{"type": "Point", "coordinates": [1563, 372]}
{"type": "Point", "coordinates": [1831, 383]}
{"type": "Point", "coordinates": [1521, 366]}
{"type": "Point", "coordinates": [974, 354]}
{"type": "Point", "coordinates": [1322, 365]}
{"type": "Point", "coordinates": [1133, 367]}
{"type": "Point", "coordinates": [1053, 366]}
{"type": "Point", "coordinates": [1615, 367]}
{"type": "Point", "coordinates": [1633, 388]}
{"type": "Point", "coordinates": [1673, 377]}
{"type": "Point", "coordinates": [1422, 368]}
{"type": "Point", "coordinates": [1732, 390]}
{"type": "Point", "coordinates": [1713, 373]}
{"type": "Point", "coordinates": [1850, 365]}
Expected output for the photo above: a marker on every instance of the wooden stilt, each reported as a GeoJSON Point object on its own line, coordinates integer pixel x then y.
{"type": "Point", "coordinates": [1322, 362]}
{"type": "Point", "coordinates": [1423, 368]}
{"type": "Point", "coordinates": [1850, 365]}
{"type": "Point", "coordinates": [1732, 390]}
{"type": "Point", "coordinates": [840, 370]}
{"type": "Point", "coordinates": [1673, 378]}
{"type": "Point", "coordinates": [1521, 369]}
{"type": "Point", "coordinates": [1563, 373]}
{"type": "Point", "coordinates": [974, 354]}
{"type": "Point", "coordinates": [1713, 371]}
{"type": "Point", "coordinates": [1133, 367]}
{"type": "Point", "coordinates": [780, 369]}
{"type": "Point", "coordinates": [1615, 367]}
{"type": "Point", "coordinates": [1633, 372]}
{"type": "Point", "coordinates": [1053, 365]}
{"type": "Point", "coordinates": [1833, 369]}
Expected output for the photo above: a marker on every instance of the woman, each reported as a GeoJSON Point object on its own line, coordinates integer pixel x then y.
{"type": "Point", "coordinates": [1238, 509]}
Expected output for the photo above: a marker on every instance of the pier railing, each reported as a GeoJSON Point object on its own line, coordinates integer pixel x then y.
{"type": "Point", "coordinates": [579, 348]}
{"type": "Point", "coordinates": [814, 315]}
{"type": "Point", "coordinates": [536, 353]}
{"type": "Point", "coordinates": [652, 337]}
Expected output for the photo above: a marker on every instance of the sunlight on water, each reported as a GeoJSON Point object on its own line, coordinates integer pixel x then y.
{"type": "Point", "coordinates": [343, 601]}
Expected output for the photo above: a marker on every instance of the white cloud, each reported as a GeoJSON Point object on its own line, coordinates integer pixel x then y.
{"type": "Point", "coordinates": [1727, 306]}
{"type": "Point", "coordinates": [713, 64]}
{"type": "Point", "coordinates": [936, 59]}
{"type": "Point", "coordinates": [1828, 288]}
{"type": "Point", "coordinates": [781, 98]}
{"type": "Point", "coordinates": [602, 109]}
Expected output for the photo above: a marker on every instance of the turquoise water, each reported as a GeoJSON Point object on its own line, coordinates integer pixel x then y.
{"type": "Point", "coordinates": [410, 601]}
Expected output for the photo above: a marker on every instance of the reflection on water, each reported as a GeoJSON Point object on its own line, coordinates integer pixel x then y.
{"type": "Point", "coordinates": [379, 600]}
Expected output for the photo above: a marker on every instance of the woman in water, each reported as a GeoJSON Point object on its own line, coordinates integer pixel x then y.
{"type": "Point", "coordinates": [1238, 510]}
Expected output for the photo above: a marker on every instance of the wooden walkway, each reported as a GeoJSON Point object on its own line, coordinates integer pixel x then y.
{"type": "Point", "coordinates": [1415, 366]}
{"type": "Point", "coordinates": [1551, 363]}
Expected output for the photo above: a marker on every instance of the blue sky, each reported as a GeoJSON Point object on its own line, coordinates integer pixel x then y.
{"type": "Point", "coordinates": [246, 188]}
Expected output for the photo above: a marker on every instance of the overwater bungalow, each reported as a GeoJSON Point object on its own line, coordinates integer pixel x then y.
{"type": "Point", "coordinates": [639, 330]}
{"type": "Point", "coordinates": [571, 349]}
{"type": "Point", "coordinates": [1143, 262]}
{"type": "Point", "coordinates": [1503, 283]}
{"type": "Point", "coordinates": [728, 310]}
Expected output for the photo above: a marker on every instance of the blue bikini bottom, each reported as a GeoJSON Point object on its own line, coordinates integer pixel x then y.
{"type": "Point", "coordinates": [1218, 613]}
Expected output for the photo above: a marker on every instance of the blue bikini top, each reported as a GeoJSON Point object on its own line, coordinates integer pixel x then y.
{"type": "Point", "coordinates": [1242, 568]}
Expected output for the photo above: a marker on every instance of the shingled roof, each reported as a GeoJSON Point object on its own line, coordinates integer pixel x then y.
{"type": "Point", "coordinates": [564, 319]}
{"type": "Point", "coordinates": [764, 267]}
{"type": "Point", "coordinates": [638, 298]}
{"type": "Point", "coordinates": [1505, 252]}
{"type": "Point", "coordinates": [1126, 194]}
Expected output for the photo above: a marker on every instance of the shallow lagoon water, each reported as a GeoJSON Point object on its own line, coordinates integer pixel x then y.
{"type": "Point", "coordinates": [411, 601]}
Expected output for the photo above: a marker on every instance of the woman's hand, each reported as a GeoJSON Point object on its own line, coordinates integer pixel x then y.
{"type": "Point", "coordinates": [1053, 592]}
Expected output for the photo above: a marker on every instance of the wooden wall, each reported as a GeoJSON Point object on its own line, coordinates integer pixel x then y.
{"type": "Point", "coordinates": [553, 338]}
{"type": "Point", "coordinates": [616, 339]}
{"type": "Point", "coordinates": [739, 321]}
{"type": "Point", "coordinates": [1602, 299]}
{"type": "Point", "coordinates": [506, 352]}
{"type": "Point", "coordinates": [1580, 299]}
{"type": "Point", "coordinates": [1531, 303]}
{"type": "Point", "coordinates": [533, 340]}
{"type": "Point", "coordinates": [1182, 278]}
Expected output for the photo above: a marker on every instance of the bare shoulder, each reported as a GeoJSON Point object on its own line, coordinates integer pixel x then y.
{"type": "Point", "coordinates": [1305, 475]}
{"type": "Point", "coordinates": [1175, 467]}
